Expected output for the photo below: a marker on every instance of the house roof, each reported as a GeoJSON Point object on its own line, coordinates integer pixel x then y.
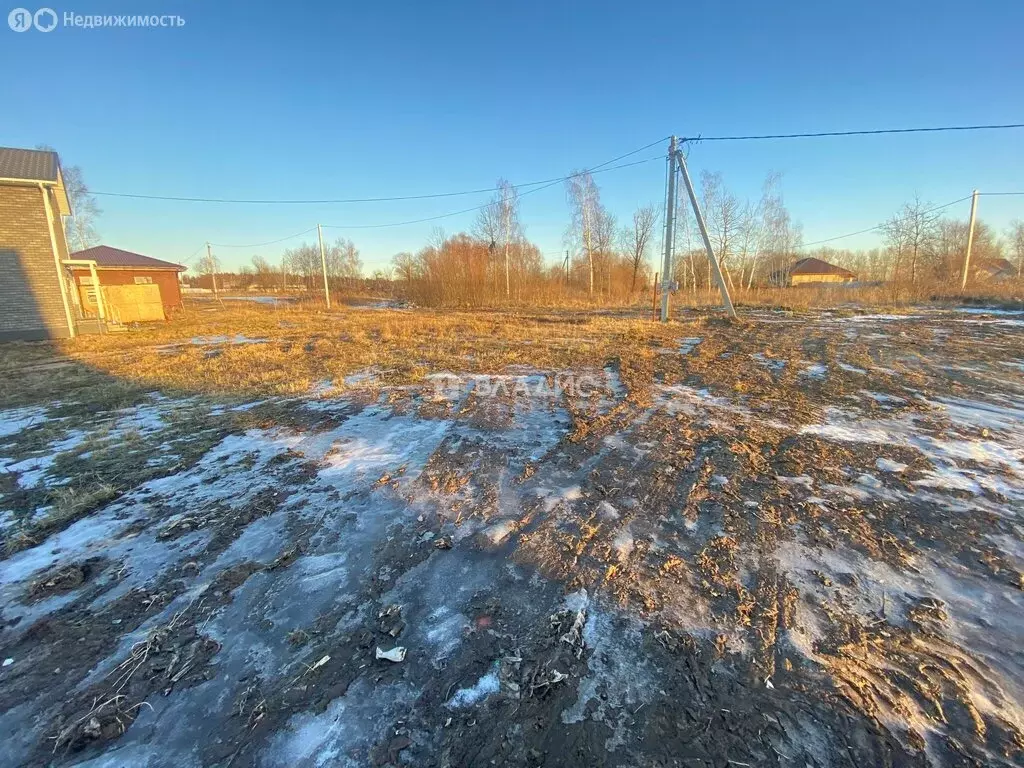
{"type": "Point", "coordinates": [29, 164]}
{"type": "Point", "coordinates": [995, 266]}
{"type": "Point", "coordinates": [105, 256]}
{"type": "Point", "coordinates": [813, 266]}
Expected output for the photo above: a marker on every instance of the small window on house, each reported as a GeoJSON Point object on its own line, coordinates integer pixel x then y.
{"type": "Point", "coordinates": [143, 280]}
{"type": "Point", "coordinates": [85, 280]}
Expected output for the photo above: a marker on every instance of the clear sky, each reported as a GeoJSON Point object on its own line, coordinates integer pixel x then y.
{"type": "Point", "coordinates": [344, 99]}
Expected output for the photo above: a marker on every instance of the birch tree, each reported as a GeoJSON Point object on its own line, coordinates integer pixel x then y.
{"type": "Point", "coordinates": [636, 239]}
{"type": "Point", "coordinates": [498, 225]}
{"type": "Point", "coordinates": [587, 214]}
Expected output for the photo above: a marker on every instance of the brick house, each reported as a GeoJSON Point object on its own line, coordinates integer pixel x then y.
{"type": "Point", "coordinates": [116, 267]}
{"type": "Point", "coordinates": [34, 297]}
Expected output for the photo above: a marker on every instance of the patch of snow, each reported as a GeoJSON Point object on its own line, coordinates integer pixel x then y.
{"type": "Point", "coordinates": [687, 345]}
{"type": "Point", "coordinates": [883, 399]}
{"type": "Point", "coordinates": [770, 363]}
{"type": "Point", "coordinates": [484, 687]}
{"type": "Point", "coordinates": [815, 371]}
{"type": "Point", "coordinates": [805, 480]}
{"type": "Point", "coordinates": [16, 420]}
{"type": "Point", "coordinates": [888, 465]}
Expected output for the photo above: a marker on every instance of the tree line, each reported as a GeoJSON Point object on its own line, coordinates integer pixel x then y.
{"type": "Point", "coordinates": [606, 261]}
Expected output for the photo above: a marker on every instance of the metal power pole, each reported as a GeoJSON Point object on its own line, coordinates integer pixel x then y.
{"type": "Point", "coordinates": [213, 268]}
{"type": "Point", "coordinates": [323, 264]}
{"type": "Point", "coordinates": [970, 242]}
{"type": "Point", "coordinates": [716, 269]}
{"type": "Point", "coordinates": [670, 225]}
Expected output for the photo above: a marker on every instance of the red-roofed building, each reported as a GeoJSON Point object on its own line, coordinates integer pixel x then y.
{"type": "Point", "coordinates": [117, 267]}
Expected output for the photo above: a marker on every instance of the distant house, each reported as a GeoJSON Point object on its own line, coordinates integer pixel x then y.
{"type": "Point", "coordinates": [34, 297]}
{"type": "Point", "coordinates": [993, 269]}
{"type": "Point", "coordinates": [811, 270]}
{"type": "Point", "coordinates": [116, 267]}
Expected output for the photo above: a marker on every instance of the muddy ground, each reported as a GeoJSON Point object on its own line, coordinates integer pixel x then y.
{"type": "Point", "coordinates": [792, 541]}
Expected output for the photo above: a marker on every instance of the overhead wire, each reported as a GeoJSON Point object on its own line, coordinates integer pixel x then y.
{"type": "Point", "coordinates": [596, 169]}
{"type": "Point", "coordinates": [877, 226]}
{"type": "Point", "coordinates": [392, 198]}
{"type": "Point", "coordinates": [871, 132]}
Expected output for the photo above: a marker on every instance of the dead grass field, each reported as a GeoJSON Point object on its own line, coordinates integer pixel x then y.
{"type": "Point", "coordinates": [795, 539]}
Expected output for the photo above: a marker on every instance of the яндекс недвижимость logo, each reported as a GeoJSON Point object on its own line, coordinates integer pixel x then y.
{"type": "Point", "coordinates": [22, 19]}
{"type": "Point", "coordinates": [46, 20]}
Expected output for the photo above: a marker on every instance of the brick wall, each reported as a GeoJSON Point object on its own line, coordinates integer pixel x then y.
{"type": "Point", "coordinates": [31, 306]}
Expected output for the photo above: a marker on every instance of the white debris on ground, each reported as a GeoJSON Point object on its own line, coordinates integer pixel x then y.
{"type": "Point", "coordinates": [484, 687]}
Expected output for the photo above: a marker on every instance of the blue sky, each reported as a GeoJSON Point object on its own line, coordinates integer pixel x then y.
{"type": "Point", "coordinates": [334, 100]}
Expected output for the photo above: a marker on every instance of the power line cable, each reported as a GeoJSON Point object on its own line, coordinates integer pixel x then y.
{"type": "Point", "coordinates": [873, 132]}
{"type": "Point", "coordinates": [269, 242]}
{"type": "Point", "coordinates": [600, 168]}
{"type": "Point", "coordinates": [194, 254]}
{"type": "Point", "coordinates": [393, 198]}
{"type": "Point", "coordinates": [878, 226]}
{"type": "Point", "coordinates": [1000, 194]}
{"type": "Point", "coordinates": [596, 169]}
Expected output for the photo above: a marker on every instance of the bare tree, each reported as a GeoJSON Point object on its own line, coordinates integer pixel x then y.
{"type": "Point", "coordinates": [722, 216]}
{"type": "Point", "coordinates": [498, 226]}
{"type": "Point", "coordinates": [775, 234]}
{"type": "Point", "coordinates": [405, 266]}
{"type": "Point", "coordinates": [637, 238]}
{"type": "Point", "coordinates": [304, 261]}
{"type": "Point", "coordinates": [80, 227]}
{"type": "Point", "coordinates": [264, 273]}
{"type": "Point", "coordinates": [1015, 239]}
{"type": "Point", "coordinates": [913, 230]}
{"type": "Point", "coordinates": [587, 216]}
{"type": "Point", "coordinates": [209, 265]}
{"type": "Point", "coordinates": [343, 262]}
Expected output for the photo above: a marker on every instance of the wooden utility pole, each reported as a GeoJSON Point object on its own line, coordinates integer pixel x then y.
{"type": "Point", "coordinates": [970, 242]}
{"type": "Point", "coordinates": [323, 264]}
{"type": "Point", "coordinates": [213, 269]}
{"type": "Point", "coordinates": [716, 270]}
{"type": "Point", "coordinates": [566, 269]}
{"type": "Point", "coordinates": [670, 224]}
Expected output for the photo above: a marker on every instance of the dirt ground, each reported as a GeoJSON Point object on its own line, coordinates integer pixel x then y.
{"type": "Point", "coordinates": [796, 540]}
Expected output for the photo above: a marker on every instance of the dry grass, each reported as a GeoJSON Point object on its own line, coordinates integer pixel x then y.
{"type": "Point", "coordinates": [300, 347]}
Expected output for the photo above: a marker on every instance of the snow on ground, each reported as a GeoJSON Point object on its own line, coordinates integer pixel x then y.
{"type": "Point", "coordinates": [352, 485]}
{"type": "Point", "coordinates": [17, 420]}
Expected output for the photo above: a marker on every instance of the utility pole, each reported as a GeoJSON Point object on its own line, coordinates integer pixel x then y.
{"type": "Point", "coordinates": [213, 269]}
{"type": "Point", "coordinates": [670, 224]}
{"type": "Point", "coordinates": [323, 264]}
{"type": "Point", "coordinates": [970, 242]}
{"type": "Point", "coordinates": [716, 270]}
{"type": "Point", "coordinates": [566, 269]}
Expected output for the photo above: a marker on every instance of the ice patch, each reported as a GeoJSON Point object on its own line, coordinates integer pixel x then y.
{"type": "Point", "coordinates": [771, 364]}
{"type": "Point", "coordinates": [815, 371]}
{"type": "Point", "coordinates": [686, 346]}
{"type": "Point", "coordinates": [888, 465]}
{"type": "Point", "coordinates": [344, 733]}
